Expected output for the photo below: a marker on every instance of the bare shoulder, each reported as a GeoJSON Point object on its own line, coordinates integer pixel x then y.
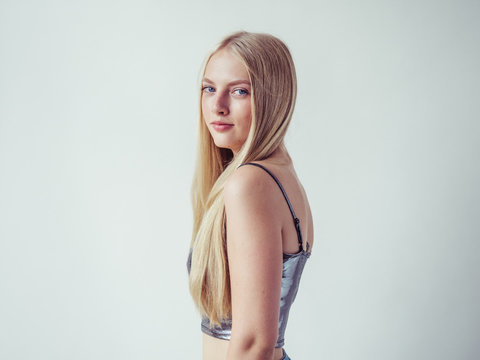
{"type": "Point", "coordinates": [254, 251]}
{"type": "Point", "coordinates": [248, 182]}
{"type": "Point", "coordinates": [251, 198]}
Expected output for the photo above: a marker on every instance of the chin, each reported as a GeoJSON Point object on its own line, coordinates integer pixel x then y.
{"type": "Point", "coordinates": [223, 146]}
{"type": "Point", "coordinates": [228, 146]}
{"type": "Point", "coordinates": [221, 143]}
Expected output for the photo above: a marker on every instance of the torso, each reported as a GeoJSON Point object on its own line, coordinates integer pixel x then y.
{"type": "Point", "coordinates": [216, 349]}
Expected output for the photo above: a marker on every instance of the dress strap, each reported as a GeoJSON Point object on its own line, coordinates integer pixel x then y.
{"type": "Point", "coordinates": [296, 220]}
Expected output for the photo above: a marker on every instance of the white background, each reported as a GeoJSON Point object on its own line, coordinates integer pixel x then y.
{"type": "Point", "coordinates": [98, 112]}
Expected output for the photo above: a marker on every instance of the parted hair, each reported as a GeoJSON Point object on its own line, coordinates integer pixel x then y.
{"type": "Point", "coordinates": [273, 93]}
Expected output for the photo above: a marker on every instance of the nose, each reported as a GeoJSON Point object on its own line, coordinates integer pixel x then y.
{"type": "Point", "coordinates": [220, 105]}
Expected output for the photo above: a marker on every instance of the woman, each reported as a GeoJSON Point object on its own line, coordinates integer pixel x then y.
{"type": "Point", "coordinates": [250, 240]}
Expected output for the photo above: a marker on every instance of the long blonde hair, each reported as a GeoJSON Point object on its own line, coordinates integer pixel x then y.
{"type": "Point", "coordinates": [274, 89]}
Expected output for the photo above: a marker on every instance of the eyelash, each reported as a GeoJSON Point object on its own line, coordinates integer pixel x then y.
{"type": "Point", "coordinates": [245, 91]}
{"type": "Point", "coordinates": [204, 89]}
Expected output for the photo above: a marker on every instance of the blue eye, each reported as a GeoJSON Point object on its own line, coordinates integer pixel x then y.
{"type": "Point", "coordinates": [208, 89]}
{"type": "Point", "coordinates": [240, 92]}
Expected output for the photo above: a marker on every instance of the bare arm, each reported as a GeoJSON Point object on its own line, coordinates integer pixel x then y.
{"type": "Point", "coordinates": [254, 248]}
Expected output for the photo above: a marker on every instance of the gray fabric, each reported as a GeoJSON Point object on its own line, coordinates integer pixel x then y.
{"type": "Point", "coordinates": [285, 356]}
{"type": "Point", "coordinates": [293, 265]}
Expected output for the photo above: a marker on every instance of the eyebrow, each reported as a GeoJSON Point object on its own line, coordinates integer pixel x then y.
{"type": "Point", "coordinates": [235, 82]}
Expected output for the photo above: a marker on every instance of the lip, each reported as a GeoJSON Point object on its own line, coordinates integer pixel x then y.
{"type": "Point", "coordinates": [221, 126]}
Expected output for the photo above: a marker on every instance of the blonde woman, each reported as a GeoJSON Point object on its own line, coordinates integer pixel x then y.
{"type": "Point", "coordinates": [253, 230]}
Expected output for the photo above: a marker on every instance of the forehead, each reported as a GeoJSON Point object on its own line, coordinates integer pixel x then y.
{"type": "Point", "coordinates": [224, 66]}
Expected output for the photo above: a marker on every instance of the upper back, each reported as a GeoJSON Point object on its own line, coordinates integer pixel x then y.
{"type": "Point", "coordinates": [294, 218]}
{"type": "Point", "coordinates": [296, 199]}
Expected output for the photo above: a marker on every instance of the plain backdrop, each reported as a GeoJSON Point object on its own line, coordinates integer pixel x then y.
{"type": "Point", "coordinates": [98, 113]}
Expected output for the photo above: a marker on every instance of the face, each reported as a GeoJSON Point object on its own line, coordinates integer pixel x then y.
{"type": "Point", "coordinates": [226, 106]}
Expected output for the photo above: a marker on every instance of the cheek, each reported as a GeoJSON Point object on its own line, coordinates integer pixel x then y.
{"type": "Point", "coordinates": [206, 114]}
{"type": "Point", "coordinates": [207, 101]}
{"type": "Point", "coordinates": [204, 107]}
{"type": "Point", "coordinates": [248, 115]}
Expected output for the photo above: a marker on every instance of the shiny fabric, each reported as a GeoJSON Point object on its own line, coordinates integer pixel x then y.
{"type": "Point", "coordinates": [293, 265]}
{"type": "Point", "coordinates": [285, 356]}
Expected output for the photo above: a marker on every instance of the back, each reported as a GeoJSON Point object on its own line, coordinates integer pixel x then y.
{"type": "Point", "coordinates": [289, 187]}
{"type": "Point", "coordinates": [293, 260]}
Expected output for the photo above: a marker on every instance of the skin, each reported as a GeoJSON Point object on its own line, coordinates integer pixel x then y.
{"type": "Point", "coordinates": [259, 223]}
{"type": "Point", "coordinates": [226, 100]}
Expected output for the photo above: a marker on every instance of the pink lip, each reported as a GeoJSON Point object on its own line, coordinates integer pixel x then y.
{"type": "Point", "coordinates": [221, 126]}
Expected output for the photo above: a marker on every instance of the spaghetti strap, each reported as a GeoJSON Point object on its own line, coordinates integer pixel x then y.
{"type": "Point", "coordinates": [296, 220]}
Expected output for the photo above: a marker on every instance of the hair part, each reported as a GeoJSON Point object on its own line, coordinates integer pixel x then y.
{"type": "Point", "coordinates": [273, 94]}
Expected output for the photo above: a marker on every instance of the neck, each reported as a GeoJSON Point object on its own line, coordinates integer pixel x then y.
{"type": "Point", "coordinates": [280, 155]}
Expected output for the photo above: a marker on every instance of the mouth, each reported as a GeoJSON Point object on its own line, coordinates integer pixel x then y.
{"type": "Point", "coordinates": [221, 126]}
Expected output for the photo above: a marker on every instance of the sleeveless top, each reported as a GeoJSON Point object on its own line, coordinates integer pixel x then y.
{"type": "Point", "coordinates": [293, 265]}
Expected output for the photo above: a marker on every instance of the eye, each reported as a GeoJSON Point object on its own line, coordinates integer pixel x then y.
{"type": "Point", "coordinates": [208, 89]}
{"type": "Point", "coordinates": [241, 92]}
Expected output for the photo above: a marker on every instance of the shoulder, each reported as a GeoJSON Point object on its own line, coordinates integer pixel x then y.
{"type": "Point", "coordinates": [254, 251]}
{"type": "Point", "coordinates": [246, 182]}
{"type": "Point", "coordinates": [251, 198]}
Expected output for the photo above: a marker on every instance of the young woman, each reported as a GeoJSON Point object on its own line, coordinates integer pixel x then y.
{"type": "Point", "coordinates": [253, 229]}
